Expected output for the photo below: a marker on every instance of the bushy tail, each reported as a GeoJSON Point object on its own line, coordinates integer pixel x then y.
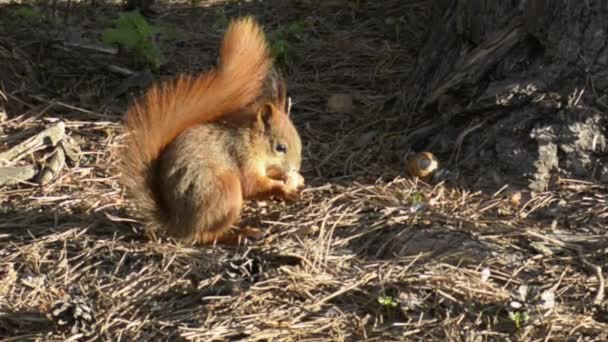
{"type": "Point", "coordinates": [168, 109]}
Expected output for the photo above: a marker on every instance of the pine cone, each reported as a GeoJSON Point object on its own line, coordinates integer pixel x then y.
{"type": "Point", "coordinates": [73, 315]}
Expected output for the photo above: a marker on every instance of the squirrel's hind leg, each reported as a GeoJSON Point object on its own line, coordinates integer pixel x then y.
{"type": "Point", "coordinates": [222, 212]}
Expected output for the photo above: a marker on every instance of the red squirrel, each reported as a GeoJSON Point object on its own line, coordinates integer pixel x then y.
{"type": "Point", "coordinates": [199, 146]}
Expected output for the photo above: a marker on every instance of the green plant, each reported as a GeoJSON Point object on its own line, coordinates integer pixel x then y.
{"type": "Point", "coordinates": [396, 22]}
{"type": "Point", "coordinates": [134, 34]}
{"type": "Point", "coordinates": [389, 306]}
{"type": "Point", "coordinates": [388, 302]}
{"type": "Point", "coordinates": [221, 20]}
{"type": "Point", "coordinates": [417, 198]}
{"type": "Point", "coordinates": [31, 15]}
{"type": "Point", "coordinates": [280, 39]}
{"type": "Point", "coordinates": [519, 318]}
{"type": "Point", "coordinates": [355, 5]}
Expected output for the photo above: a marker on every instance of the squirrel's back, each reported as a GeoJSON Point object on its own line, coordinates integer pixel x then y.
{"type": "Point", "coordinates": [168, 109]}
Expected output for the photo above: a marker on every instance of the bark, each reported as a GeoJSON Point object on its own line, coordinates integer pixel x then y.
{"type": "Point", "coordinates": [530, 77]}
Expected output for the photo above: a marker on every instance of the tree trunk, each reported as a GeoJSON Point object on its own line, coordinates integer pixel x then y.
{"type": "Point", "coordinates": [520, 87]}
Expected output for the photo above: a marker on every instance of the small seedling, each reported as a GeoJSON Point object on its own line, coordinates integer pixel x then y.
{"type": "Point", "coordinates": [138, 37]}
{"type": "Point", "coordinates": [519, 318]}
{"type": "Point", "coordinates": [388, 302]}
{"type": "Point", "coordinates": [417, 198]}
{"type": "Point", "coordinates": [389, 306]}
{"type": "Point", "coordinates": [355, 5]}
{"type": "Point", "coordinates": [418, 203]}
{"type": "Point", "coordinates": [396, 22]}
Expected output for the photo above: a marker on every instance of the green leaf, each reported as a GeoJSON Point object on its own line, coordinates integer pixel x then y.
{"type": "Point", "coordinates": [390, 21]}
{"type": "Point", "coordinates": [126, 38]}
{"type": "Point", "coordinates": [387, 301]}
{"type": "Point", "coordinates": [133, 32]}
{"type": "Point", "coordinates": [296, 27]}
{"type": "Point", "coordinates": [31, 15]}
{"type": "Point", "coordinates": [417, 198]}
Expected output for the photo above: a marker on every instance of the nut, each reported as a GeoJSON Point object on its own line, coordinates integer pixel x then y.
{"type": "Point", "coordinates": [294, 180]}
{"type": "Point", "coordinates": [422, 165]}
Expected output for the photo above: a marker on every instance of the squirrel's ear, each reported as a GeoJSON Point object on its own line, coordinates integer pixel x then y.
{"type": "Point", "coordinates": [264, 116]}
{"type": "Point", "coordinates": [281, 90]}
{"type": "Point", "coordinates": [278, 87]}
{"type": "Point", "coordinates": [283, 99]}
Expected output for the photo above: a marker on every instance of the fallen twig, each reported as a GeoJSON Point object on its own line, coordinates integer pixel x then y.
{"type": "Point", "coordinates": [17, 174]}
{"type": "Point", "coordinates": [50, 136]}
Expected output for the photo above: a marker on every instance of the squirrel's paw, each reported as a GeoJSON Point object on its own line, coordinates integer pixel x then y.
{"type": "Point", "coordinates": [240, 236]}
{"type": "Point", "coordinates": [290, 193]}
{"type": "Point", "coordinates": [250, 233]}
{"type": "Point", "coordinates": [293, 183]}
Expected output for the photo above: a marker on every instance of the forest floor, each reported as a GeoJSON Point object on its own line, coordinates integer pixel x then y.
{"type": "Point", "coordinates": [368, 253]}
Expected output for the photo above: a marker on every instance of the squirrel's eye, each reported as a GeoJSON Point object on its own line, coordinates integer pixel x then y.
{"type": "Point", "coordinates": [281, 148]}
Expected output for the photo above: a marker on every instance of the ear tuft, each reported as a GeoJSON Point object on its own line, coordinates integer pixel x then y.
{"type": "Point", "coordinates": [288, 111]}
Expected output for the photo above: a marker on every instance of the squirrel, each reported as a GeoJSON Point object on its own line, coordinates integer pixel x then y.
{"type": "Point", "coordinates": [197, 147]}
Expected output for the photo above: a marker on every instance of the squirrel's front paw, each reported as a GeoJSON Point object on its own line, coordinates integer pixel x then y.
{"type": "Point", "coordinates": [293, 183]}
{"type": "Point", "coordinates": [289, 193]}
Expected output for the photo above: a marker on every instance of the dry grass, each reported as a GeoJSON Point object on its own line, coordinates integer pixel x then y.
{"type": "Point", "coordinates": [451, 258]}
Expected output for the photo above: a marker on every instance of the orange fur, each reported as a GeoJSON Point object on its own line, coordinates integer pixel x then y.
{"type": "Point", "coordinates": [170, 108]}
{"type": "Point", "coordinates": [200, 146]}
{"type": "Point", "coordinates": [229, 201]}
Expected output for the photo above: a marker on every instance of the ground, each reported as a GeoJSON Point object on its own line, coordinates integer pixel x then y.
{"type": "Point", "coordinates": [368, 253]}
